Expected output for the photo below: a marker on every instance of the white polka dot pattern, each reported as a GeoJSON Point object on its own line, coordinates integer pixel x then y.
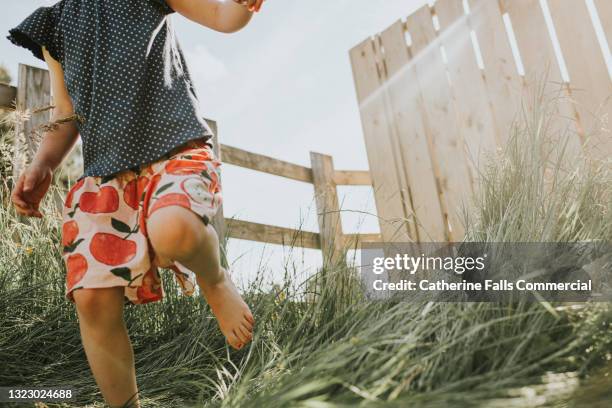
{"type": "Point", "coordinates": [126, 75]}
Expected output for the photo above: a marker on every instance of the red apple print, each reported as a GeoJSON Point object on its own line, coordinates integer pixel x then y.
{"type": "Point", "coordinates": [171, 199]}
{"type": "Point", "coordinates": [147, 295]}
{"type": "Point", "coordinates": [185, 166]}
{"type": "Point", "coordinates": [133, 191]}
{"type": "Point", "coordinates": [78, 185]}
{"type": "Point", "coordinates": [76, 266]}
{"type": "Point", "coordinates": [110, 249]}
{"type": "Point", "coordinates": [106, 200]}
{"type": "Point", "coordinates": [70, 230]}
{"type": "Point", "coordinates": [151, 289]}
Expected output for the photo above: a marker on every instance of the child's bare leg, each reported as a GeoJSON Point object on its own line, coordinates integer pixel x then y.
{"type": "Point", "coordinates": [107, 344]}
{"type": "Point", "coordinates": [177, 234]}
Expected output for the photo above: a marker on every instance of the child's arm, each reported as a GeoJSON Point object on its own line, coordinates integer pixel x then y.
{"type": "Point", "coordinates": [56, 144]}
{"type": "Point", "coordinates": [54, 147]}
{"type": "Point", "coordinates": [226, 16]}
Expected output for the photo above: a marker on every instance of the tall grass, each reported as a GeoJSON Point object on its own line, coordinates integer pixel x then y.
{"type": "Point", "coordinates": [339, 349]}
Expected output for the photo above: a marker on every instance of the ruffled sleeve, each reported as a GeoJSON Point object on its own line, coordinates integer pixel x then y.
{"type": "Point", "coordinates": [163, 6]}
{"type": "Point", "coordinates": [41, 28]}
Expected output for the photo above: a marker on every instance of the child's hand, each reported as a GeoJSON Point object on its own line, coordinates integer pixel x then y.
{"type": "Point", "coordinates": [252, 5]}
{"type": "Point", "coordinates": [30, 189]}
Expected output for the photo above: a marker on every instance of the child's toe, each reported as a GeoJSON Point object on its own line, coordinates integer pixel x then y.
{"type": "Point", "coordinates": [248, 325]}
{"type": "Point", "coordinates": [249, 317]}
{"type": "Point", "coordinates": [246, 334]}
{"type": "Point", "coordinates": [234, 340]}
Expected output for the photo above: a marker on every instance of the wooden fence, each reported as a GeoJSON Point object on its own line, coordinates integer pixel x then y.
{"type": "Point", "coordinates": [441, 87]}
{"type": "Point", "coordinates": [33, 92]}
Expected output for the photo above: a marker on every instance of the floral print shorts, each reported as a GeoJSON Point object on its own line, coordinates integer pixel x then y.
{"type": "Point", "coordinates": [104, 235]}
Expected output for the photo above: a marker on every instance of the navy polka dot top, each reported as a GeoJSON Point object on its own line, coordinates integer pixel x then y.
{"type": "Point", "coordinates": [126, 76]}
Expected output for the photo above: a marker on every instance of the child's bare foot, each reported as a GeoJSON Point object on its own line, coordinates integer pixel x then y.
{"type": "Point", "coordinates": [234, 316]}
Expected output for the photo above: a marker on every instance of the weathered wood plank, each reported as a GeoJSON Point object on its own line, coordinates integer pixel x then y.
{"type": "Point", "coordinates": [533, 39]}
{"type": "Point", "coordinates": [604, 9]}
{"type": "Point", "coordinates": [413, 146]}
{"type": "Point", "coordinates": [372, 237]}
{"type": "Point", "coordinates": [266, 164]}
{"type": "Point", "coordinates": [390, 194]}
{"type": "Point", "coordinates": [218, 221]}
{"type": "Point", "coordinates": [328, 208]}
{"type": "Point", "coordinates": [441, 126]}
{"type": "Point", "coordinates": [270, 234]}
{"type": "Point", "coordinates": [589, 79]}
{"type": "Point", "coordinates": [352, 178]}
{"type": "Point", "coordinates": [469, 90]}
{"type": "Point", "coordinates": [501, 77]}
{"type": "Point", "coordinates": [540, 63]}
{"type": "Point", "coordinates": [8, 94]}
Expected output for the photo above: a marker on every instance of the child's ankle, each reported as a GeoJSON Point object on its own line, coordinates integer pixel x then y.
{"type": "Point", "coordinates": [212, 280]}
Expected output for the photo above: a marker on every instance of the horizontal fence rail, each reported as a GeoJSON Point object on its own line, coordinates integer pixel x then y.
{"type": "Point", "coordinates": [270, 165]}
{"type": "Point", "coordinates": [33, 87]}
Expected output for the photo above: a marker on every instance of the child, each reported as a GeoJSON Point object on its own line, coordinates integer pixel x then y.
{"type": "Point", "coordinates": [150, 181]}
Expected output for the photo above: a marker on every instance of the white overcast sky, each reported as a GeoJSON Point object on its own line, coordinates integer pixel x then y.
{"type": "Point", "coordinates": [283, 87]}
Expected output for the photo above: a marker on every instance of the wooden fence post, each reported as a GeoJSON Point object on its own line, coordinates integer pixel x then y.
{"type": "Point", "coordinates": [328, 208]}
{"type": "Point", "coordinates": [218, 221]}
{"type": "Point", "coordinates": [33, 92]}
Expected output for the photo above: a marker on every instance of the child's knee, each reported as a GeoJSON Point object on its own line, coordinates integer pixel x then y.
{"type": "Point", "coordinates": [99, 303]}
{"type": "Point", "coordinates": [175, 232]}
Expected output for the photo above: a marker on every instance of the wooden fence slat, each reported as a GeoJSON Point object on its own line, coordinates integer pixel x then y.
{"type": "Point", "coordinates": [394, 137]}
{"type": "Point", "coordinates": [328, 208]}
{"type": "Point", "coordinates": [589, 78]}
{"type": "Point", "coordinates": [469, 90]}
{"type": "Point", "coordinates": [266, 164]}
{"type": "Point", "coordinates": [444, 135]}
{"type": "Point", "coordinates": [380, 53]}
{"type": "Point", "coordinates": [604, 9]}
{"type": "Point", "coordinates": [276, 167]}
{"type": "Point", "coordinates": [373, 237]}
{"type": "Point", "coordinates": [376, 130]}
{"type": "Point", "coordinates": [218, 221]}
{"type": "Point", "coordinates": [532, 37]}
{"type": "Point", "coordinates": [501, 77]}
{"type": "Point", "coordinates": [412, 143]}
{"type": "Point", "coordinates": [352, 178]}
{"type": "Point", "coordinates": [271, 234]}
{"type": "Point", "coordinates": [539, 61]}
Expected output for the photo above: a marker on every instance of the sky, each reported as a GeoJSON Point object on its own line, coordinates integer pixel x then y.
{"type": "Point", "coordinates": [283, 87]}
